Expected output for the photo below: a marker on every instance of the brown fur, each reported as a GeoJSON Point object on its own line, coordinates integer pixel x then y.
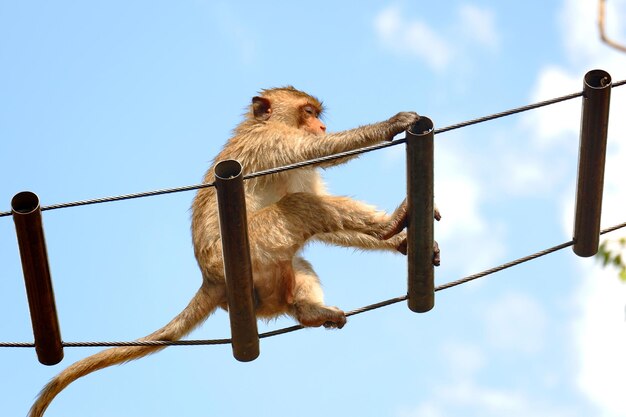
{"type": "Point", "coordinates": [284, 210]}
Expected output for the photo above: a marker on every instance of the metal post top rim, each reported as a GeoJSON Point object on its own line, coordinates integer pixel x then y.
{"type": "Point", "coordinates": [422, 127]}
{"type": "Point", "coordinates": [25, 202]}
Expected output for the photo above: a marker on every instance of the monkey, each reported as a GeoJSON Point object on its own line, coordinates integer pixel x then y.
{"type": "Point", "coordinates": [285, 211]}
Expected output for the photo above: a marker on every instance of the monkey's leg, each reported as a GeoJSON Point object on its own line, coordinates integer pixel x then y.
{"type": "Point", "coordinates": [276, 234]}
{"type": "Point", "coordinates": [311, 214]}
{"type": "Point", "coordinates": [391, 237]}
{"type": "Point", "coordinates": [308, 306]}
{"type": "Point", "coordinates": [350, 239]}
{"type": "Point", "coordinates": [278, 231]}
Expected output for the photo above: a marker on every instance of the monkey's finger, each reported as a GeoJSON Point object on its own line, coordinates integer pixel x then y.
{"type": "Point", "coordinates": [335, 324]}
{"type": "Point", "coordinates": [402, 247]}
{"type": "Point", "coordinates": [436, 254]}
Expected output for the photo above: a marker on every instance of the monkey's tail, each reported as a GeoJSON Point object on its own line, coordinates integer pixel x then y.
{"type": "Point", "coordinates": [199, 308]}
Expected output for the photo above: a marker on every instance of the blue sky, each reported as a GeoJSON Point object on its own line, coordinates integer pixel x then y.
{"type": "Point", "coordinates": [106, 98]}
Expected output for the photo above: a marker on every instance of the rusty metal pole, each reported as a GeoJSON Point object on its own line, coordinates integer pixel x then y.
{"type": "Point", "coordinates": [420, 206]}
{"type": "Point", "coordinates": [231, 203]}
{"type": "Point", "coordinates": [32, 244]}
{"type": "Point", "coordinates": [591, 161]}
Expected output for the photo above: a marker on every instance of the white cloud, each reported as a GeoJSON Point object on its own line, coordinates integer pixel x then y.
{"type": "Point", "coordinates": [459, 218]}
{"type": "Point", "coordinates": [490, 400]}
{"type": "Point", "coordinates": [413, 37]}
{"type": "Point", "coordinates": [468, 398]}
{"type": "Point", "coordinates": [541, 159]}
{"type": "Point", "coordinates": [599, 331]}
{"type": "Point", "coordinates": [459, 195]}
{"type": "Point", "coordinates": [552, 125]}
{"type": "Point", "coordinates": [516, 323]}
{"type": "Point", "coordinates": [579, 30]}
{"type": "Point", "coordinates": [426, 409]}
{"type": "Point", "coordinates": [480, 25]}
{"type": "Point", "coordinates": [600, 328]}
{"type": "Point", "coordinates": [600, 336]}
{"type": "Point", "coordinates": [463, 359]}
{"type": "Point", "coordinates": [523, 168]}
{"type": "Point", "coordinates": [438, 47]}
{"type": "Point", "coordinates": [578, 21]}
{"type": "Point", "coordinates": [463, 225]}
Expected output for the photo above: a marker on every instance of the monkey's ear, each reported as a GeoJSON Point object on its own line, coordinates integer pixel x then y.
{"type": "Point", "coordinates": [261, 108]}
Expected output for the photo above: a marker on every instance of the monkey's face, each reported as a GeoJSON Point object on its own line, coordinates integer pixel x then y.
{"type": "Point", "coordinates": [290, 106]}
{"type": "Point", "coordinates": [310, 116]}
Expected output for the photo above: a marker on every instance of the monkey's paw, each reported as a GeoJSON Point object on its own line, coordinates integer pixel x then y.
{"type": "Point", "coordinates": [402, 248]}
{"type": "Point", "coordinates": [402, 121]}
{"type": "Point", "coordinates": [398, 242]}
{"type": "Point", "coordinates": [316, 316]}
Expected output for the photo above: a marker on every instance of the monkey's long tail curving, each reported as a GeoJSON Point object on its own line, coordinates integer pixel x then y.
{"type": "Point", "coordinates": [199, 308]}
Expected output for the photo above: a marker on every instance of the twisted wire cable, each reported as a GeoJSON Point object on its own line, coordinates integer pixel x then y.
{"type": "Point", "coordinates": [381, 304]}
{"type": "Point", "coordinates": [316, 160]}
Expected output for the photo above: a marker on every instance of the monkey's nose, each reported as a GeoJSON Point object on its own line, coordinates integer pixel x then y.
{"type": "Point", "coordinates": [323, 128]}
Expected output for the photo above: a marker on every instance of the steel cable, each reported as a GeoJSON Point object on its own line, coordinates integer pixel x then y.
{"type": "Point", "coordinates": [316, 160]}
{"type": "Point", "coordinates": [354, 312]}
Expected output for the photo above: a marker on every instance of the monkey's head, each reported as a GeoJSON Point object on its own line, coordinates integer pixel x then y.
{"type": "Point", "coordinates": [290, 106]}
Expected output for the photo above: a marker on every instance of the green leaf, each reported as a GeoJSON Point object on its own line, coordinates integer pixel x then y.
{"type": "Point", "coordinates": [606, 257]}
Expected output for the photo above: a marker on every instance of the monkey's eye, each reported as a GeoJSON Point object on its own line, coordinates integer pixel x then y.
{"type": "Point", "coordinates": [310, 111]}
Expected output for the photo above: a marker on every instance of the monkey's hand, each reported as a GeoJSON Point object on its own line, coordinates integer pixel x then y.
{"type": "Point", "coordinates": [401, 122]}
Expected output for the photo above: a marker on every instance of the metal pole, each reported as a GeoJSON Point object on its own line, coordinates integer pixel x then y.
{"type": "Point", "coordinates": [420, 239]}
{"type": "Point", "coordinates": [231, 203]}
{"type": "Point", "coordinates": [591, 161]}
{"type": "Point", "coordinates": [32, 244]}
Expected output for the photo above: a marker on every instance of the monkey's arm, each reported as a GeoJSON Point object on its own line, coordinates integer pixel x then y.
{"type": "Point", "coordinates": [274, 144]}
{"type": "Point", "coordinates": [362, 136]}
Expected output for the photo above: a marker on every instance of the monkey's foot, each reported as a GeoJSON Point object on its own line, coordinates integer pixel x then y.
{"type": "Point", "coordinates": [402, 248]}
{"type": "Point", "coordinates": [319, 315]}
{"type": "Point", "coordinates": [397, 222]}
{"type": "Point", "coordinates": [401, 245]}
